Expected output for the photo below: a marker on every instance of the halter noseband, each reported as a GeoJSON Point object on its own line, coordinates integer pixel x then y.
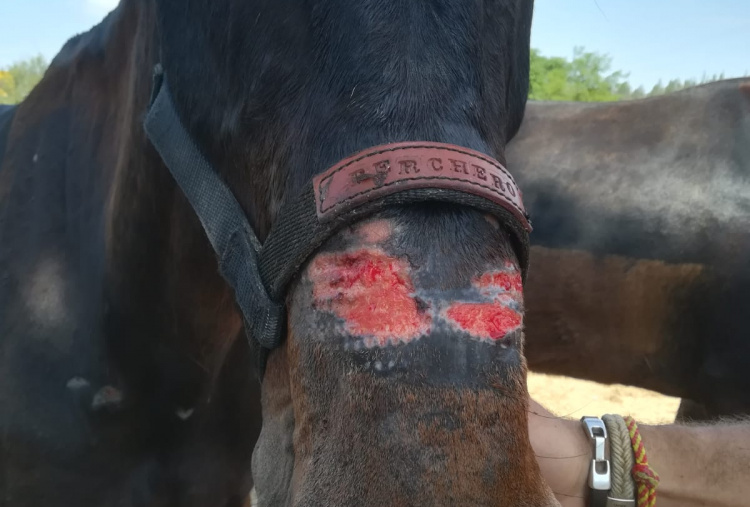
{"type": "Point", "coordinates": [372, 180]}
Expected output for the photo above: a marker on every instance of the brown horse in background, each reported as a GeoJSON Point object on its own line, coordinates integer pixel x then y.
{"type": "Point", "coordinates": [641, 245]}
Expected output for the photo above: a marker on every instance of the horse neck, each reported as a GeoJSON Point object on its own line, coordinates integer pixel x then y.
{"type": "Point", "coordinates": [167, 305]}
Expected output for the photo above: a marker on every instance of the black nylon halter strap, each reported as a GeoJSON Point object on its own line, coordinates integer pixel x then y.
{"type": "Point", "coordinates": [223, 220]}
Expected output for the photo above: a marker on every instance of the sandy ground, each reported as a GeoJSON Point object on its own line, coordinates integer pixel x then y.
{"type": "Point", "coordinates": [575, 398]}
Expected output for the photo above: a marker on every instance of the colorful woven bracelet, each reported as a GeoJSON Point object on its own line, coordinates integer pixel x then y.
{"type": "Point", "coordinates": [645, 477]}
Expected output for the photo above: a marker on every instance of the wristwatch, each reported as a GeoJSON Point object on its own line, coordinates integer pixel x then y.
{"type": "Point", "coordinates": [600, 480]}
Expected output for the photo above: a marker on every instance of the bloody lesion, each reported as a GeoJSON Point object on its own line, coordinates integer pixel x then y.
{"type": "Point", "coordinates": [374, 295]}
{"type": "Point", "coordinates": [507, 280]}
{"type": "Point", "coordinates": [484, 320]}
{"type": "Point", "coordinates": [496, 318]}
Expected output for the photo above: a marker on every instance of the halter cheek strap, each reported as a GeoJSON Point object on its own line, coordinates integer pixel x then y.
{"type": "Point", "coordinates": [372, 180]}
{"type": "Point", "coordinates": [231, 236]}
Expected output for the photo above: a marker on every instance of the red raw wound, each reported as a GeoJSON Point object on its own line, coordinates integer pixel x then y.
{"type": "Point", "coordinates": [372, 292]}
{"type": "Point", "coordinates": [505, 281]}
{"type": "Point", "coordinates": [492, 320]}
{"type": "Point", "coordinates": [484, 320]}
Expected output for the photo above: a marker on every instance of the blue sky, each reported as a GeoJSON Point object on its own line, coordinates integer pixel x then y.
{"type": "Point", "coordinates": [650, 39]}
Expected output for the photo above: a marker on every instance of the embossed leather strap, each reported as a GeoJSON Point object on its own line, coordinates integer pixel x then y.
{"type": "Point", "coordinates": [384, 170]}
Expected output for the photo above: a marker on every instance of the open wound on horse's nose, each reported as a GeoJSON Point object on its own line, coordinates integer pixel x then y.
{"type": "Point", "coordinates": [496, 318]}
{"type": "Point", "coordinates": [372, 293]}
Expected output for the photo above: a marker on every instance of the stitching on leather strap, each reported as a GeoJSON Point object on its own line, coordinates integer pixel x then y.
{"type": "Point", "coordinates": [443, 167]}
{"type": "Point", "coordinates": [420, 178]}
{"type": "Point", "coordinates": [425, 146]}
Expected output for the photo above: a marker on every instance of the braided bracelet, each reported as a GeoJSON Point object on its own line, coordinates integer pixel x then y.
{"type": "Point", "coordinates": [622, 493]}
{"type": "Point", "coordinates": [619, 474]}
{"type": "Point", "coordinates": [645, 477]}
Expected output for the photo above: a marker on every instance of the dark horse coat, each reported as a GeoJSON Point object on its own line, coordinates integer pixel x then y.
{"type": "Point", "coordinates": [125, 376]}
{"type": "Point", "coordinates": [641, 259]}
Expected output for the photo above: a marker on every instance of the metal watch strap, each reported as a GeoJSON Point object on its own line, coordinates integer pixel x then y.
{"type": "Point", "coordinates": [599, 471]}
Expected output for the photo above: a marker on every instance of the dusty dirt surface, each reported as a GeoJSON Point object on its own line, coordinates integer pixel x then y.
{"type": "Point", "coordinates": [573, 398]}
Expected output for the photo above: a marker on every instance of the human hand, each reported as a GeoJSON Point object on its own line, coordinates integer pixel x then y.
{"type": "Point", "coordinates": [563, 454]}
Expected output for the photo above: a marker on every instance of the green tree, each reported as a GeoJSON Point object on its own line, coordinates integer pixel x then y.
{"type": "Point", "coordinates": [7, 87]}
{"type": "Point", "coordinates": [624, 90]}
{"type": "Point", "coordinates": [591, 79]}
{"type": "Point", "coordinates": [586, 77]}
{"type": "Point", "coordinates": [548, 77]}
{"type": "Point", "coordinates": [638, 93]}
{"type": "Point", "coordinates": [674, 86]}
{"type": "Point", "coordinates": [658, 89]}
{"type": "Point", "coordinates": [690, 83]}
{"type": "Point", "coordinates": [24, 75]}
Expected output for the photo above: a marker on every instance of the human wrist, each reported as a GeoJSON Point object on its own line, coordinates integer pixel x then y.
{"type": "Point", "coordinates": [701, 465]}
{"type": "Point", "coordinates": [563, 454]}
{"type": "Point", "coordinates": [678, 486]}
{"type": "Point", "coordinates": [577, 472]}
